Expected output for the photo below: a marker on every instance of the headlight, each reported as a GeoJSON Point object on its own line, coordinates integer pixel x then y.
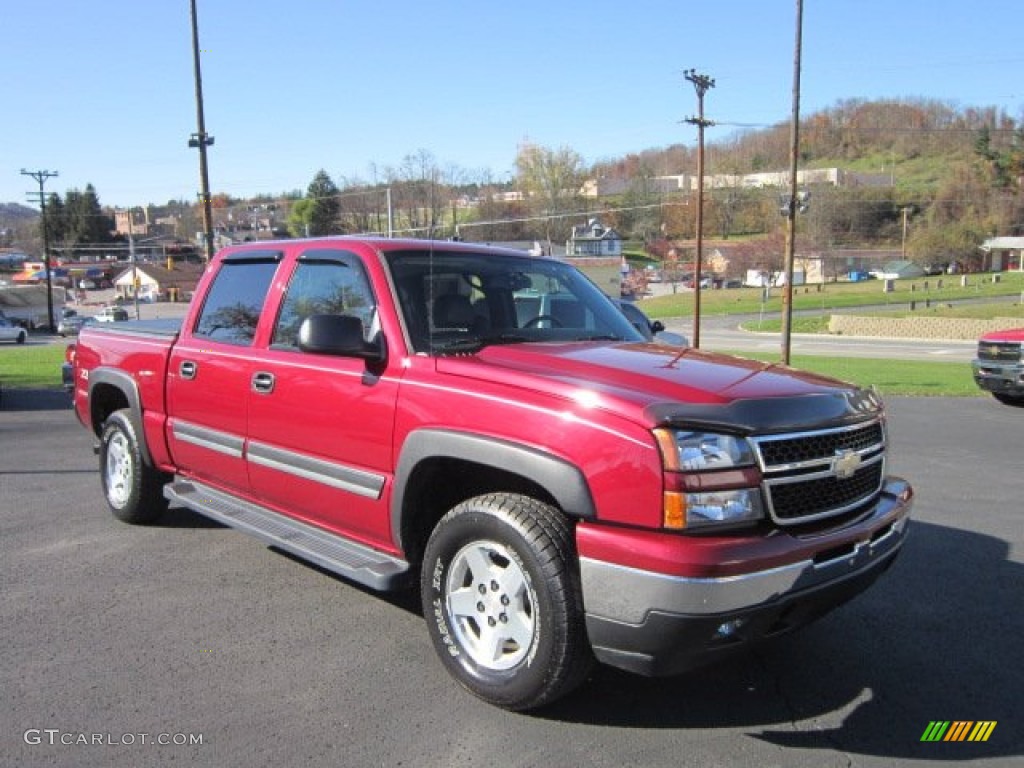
{"type": "Point", "coordinates": [684, 451]}
{"type": "Point", "coordinates": [722, 507]}
{"type": "Point", "coordinates": [704, 452]}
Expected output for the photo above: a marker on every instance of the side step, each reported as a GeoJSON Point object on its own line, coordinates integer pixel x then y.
{"type": "Point", "coordinates": [345, 558]}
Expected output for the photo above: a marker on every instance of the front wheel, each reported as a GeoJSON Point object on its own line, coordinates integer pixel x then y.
{"type": "Point", "coordinates": [502, 601]}
{"type": "Point", "coordinates": [1015, 400]}
{"type": "Point", "coordinates": [134, 490]}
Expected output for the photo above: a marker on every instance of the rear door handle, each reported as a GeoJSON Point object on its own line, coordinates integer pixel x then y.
{"type": "Point", "coordinates": [263, 382]}
{"type": "Point", "coordinates": [188, 369]}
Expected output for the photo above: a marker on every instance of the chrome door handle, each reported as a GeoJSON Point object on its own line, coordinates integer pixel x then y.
{"type": "Point", "coordinates": [188, 369]}
{"type": "Point", "coordinates": [263, 382]}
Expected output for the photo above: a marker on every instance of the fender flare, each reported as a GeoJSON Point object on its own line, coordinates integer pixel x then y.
{"type": "Point", "coordinates": [125, 384]}
{"type": "Point", "coordinates": [563, 480]}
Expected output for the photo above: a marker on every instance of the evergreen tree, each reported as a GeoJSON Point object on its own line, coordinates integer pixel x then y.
{"type": "Point", "coordinates": [324, 206]}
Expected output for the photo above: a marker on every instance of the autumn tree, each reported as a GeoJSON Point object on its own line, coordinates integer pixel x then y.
{"type": "Point", "coordinates": [552, 179]}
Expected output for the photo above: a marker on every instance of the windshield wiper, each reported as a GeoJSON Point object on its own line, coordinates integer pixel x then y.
{"type": "Point", "coordinates": [474, 343]}
{"type": "Point", "coordinates": [600, 337]}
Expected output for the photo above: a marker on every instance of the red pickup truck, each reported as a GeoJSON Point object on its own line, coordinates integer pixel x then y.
{"type": "Point", "coordinates": [489, 428]}
{"type": "Point", "coordinates": [999, 365]}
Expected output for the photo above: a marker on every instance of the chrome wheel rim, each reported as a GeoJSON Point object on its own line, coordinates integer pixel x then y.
{"type": "Point", "coordinates": [118, 470]}
{"type": "Point", "coordinates": [491, 605]}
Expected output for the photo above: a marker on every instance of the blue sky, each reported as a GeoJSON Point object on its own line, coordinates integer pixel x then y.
{"type": "Point", "coordinates": [102, 91]}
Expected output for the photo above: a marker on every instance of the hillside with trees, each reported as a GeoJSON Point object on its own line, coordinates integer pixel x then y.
{"type": "Point", "coordinates": [945, 179]}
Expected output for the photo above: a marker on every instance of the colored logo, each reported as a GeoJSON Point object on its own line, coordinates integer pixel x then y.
{"type": "Point", "coordinates": [959, 730]}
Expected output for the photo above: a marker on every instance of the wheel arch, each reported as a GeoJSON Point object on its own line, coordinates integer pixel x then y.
{"type": "Point", "coordinates": [439, 468]}
{"type": "Point", "coordinates": [113, 390]}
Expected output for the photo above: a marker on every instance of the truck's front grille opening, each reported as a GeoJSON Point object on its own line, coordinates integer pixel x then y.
{"type": "Point", "coordinates": [999, 351]}
{"type": "Point", "coordinates": [822, 474]}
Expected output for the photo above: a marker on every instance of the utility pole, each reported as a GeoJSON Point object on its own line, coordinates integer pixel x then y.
{"type": "Point", "coordinates": [201, 140]}
{"type": "Point", "coordinates": [701, 84]}
{"type": "Point", "coordinates": [135, 264]}
{"type": "Point", "coordinates": [41, 177]}
{"type": "Point", "coordinates": [793, 202]}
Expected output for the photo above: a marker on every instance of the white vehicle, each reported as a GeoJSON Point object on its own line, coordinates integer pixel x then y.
{"type": "Point", "coordinates": [10, 331]}
{"type": "Point", "coordinates": [111, 315]}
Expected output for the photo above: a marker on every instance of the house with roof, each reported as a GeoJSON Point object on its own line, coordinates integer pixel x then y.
{"type": "Point", "coordinates": [1004, 253]}
{"type": "Point", "coordinates": [158, 283]}
{"type": "Point", "coordinates": [594, 239]}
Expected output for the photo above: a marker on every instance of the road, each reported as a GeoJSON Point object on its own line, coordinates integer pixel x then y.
{"type": "Point", "coordinates": [188, 629]}
{"type": "Point", "coordinates": [722, 334]}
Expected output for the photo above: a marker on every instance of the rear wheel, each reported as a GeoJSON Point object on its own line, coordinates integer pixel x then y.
{"type": "Point", "coordinates": [502, 601]}
{"type": "Point", "coordinates": [134, 490]}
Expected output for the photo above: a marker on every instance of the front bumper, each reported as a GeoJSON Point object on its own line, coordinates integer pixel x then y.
{"type": "Point", "coordinates": [1004, 378]}
{"type": "Point", "coordinates": [656, 623]}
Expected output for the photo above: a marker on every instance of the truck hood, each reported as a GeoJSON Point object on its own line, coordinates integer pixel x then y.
{"type": "Point", "coordinates": [1013, 334]}
{"type": "Point", "coordinates": [654, 384]}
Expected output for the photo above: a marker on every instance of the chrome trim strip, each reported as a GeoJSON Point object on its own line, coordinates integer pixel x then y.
{"type": "Point", "coordinates": [211, 439]}
{"type": "Point", "coordinates": [826, 472]}
{"type": "Point", "coordinates": [345, 478]}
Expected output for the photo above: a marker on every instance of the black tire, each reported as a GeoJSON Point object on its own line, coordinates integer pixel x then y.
{"type": "Point", "coordinates": [132, 488]}
{"type": "Point", "coordinates": [1014, 400]}
{"type": "Point", "coordinates": [502, 600]}
{"type": "Point", "coordinates": [22, 336]}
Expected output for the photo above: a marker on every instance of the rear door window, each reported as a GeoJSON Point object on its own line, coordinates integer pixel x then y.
{"type": "Point", "coordinates": [234, 301]}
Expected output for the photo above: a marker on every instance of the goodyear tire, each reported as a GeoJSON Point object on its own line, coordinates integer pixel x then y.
{"type": "Point", "coordinates": [133, 489]}
{"type": "Point", "coordinates": [502, 601]}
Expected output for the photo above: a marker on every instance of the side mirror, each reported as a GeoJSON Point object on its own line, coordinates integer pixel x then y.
{"type": "Point", "coordinates": [657, 326]}
{"type": "Point", "coordinates": [340, 335]}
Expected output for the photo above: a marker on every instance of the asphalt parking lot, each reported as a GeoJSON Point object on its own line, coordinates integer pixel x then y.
{"type": "Point", "coordinates": [116, 638]}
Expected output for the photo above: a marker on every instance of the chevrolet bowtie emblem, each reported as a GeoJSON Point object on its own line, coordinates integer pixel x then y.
{"type": "Point", "coordinates": [845, 464]}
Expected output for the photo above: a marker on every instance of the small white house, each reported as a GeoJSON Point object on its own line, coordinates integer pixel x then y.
{"type": "Point", "coordinates": [593, 239]}
{"type": "Point", "coordinates": [155, 282]}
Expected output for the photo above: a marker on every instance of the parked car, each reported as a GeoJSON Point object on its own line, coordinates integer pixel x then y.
{"type": "Point", "coordinates": [999, 366]}
{"type": "Point", "coordinates": [70, 326]}
{"type": "Point", "coordinates": [111, 315]}
{"type": "Point", "coordinates": [653, 330]}
{"type": "Point", "coordinates": [11, 331]}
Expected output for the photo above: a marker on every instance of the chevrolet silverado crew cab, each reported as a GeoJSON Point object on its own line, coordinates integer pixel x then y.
{"type": "Point", "coordinates": [488, 427]}
{"type": "Point", "coordinates": [999, 365]}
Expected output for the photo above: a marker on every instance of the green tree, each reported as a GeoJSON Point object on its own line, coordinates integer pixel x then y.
{"type": "Point", "coordinates": [324, 205]}
{"type": "Point", "coordinates": [298, 217]}
{"type": "Point", "coordinates": [55, 224]}
{"type": "Point", "coordinates": [85, 221]}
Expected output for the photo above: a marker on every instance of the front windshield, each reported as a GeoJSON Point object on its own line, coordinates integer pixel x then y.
{"type": "Point", "coordinates": [456, 301]}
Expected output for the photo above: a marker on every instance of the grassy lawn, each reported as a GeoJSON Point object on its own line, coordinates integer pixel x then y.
{"type": "Point", "coordinates": [31, 367]}
{"type": "Point", "coordinates": [819, 323]}
{"type": "Point", "coordinates": [839, 295]}
{"type": "Point", "coordinates": [890, 377]}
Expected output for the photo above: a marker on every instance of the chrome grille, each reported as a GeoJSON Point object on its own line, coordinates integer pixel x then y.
{"type": "Point", "coordinates": [814, 475]}
{"type": "Point", "coordinates": [999, 351]}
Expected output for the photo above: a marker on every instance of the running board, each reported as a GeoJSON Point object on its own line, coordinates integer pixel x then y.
{"type": "Point", "coordinates": [341, 556]}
